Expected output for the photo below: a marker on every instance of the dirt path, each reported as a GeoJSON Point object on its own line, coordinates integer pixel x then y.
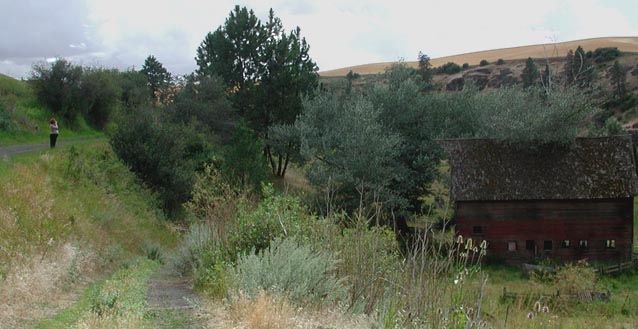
{"type": "Point", "coordinates": [173, 303]}
{"type": "Point", "coordinates": [8, 151]}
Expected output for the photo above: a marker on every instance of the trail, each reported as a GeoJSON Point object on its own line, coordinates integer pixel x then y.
{"type": "Point", "coordinates": [9, 151]}
{"type": "Point", "coordinates": [172, 302]}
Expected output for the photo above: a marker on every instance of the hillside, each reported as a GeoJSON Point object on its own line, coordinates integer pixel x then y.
{"type": "Point", "coordinates": [625, 44]}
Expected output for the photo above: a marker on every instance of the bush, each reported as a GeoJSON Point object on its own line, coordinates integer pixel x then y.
{"type": "Point", "coordinates": [500, 61]}
{"type": "Point", "coordinates": [165, 155]}
{"type": "Point", "coordinates": [290, 269]}
{"type": "Point", "coordinates": [449, 68]}
{"type": "Point", "coordinates": [276, 216]}
{"type": "Point", "coordinates": [466, 66]}
{"type": "Point", "coordinates": [6, 123]}
{"type": "Point", "coordinates": [606, 54]}
{"type": "Point", "coordinates": [484, 62]}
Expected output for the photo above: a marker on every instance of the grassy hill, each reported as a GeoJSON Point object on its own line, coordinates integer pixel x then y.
{"type": "Point", "coordinates": [24, 120]}
{"type": "Point", "coordinates": [625, 44]}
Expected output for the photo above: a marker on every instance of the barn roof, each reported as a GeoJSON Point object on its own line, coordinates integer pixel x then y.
{"type": "Point", "coordinates": [590, 168]}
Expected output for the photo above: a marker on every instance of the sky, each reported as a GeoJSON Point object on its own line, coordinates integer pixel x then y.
{"type": "Point", "coordinates": [341, 33]}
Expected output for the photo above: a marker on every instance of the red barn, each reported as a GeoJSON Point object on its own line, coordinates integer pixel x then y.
{"type": "Point", "coordinates": [560, 202]}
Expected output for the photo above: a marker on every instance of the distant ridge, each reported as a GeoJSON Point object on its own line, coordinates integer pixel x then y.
{"type": "Point", "coordinates": [560, 49]}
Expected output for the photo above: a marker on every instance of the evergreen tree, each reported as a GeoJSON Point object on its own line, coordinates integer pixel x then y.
{"type": "Point", "coordinates": [267, 71]}
{"type": "Point", "coordinates": [159, 79]}
{"type": "Point", "coordinates": [426, 71]}
{"type": "Point", "coordinates": [530, 73]}
{"type": "Point", "coordinates": [619, 79]}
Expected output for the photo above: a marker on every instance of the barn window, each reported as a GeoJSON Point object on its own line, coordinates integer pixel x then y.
{"type": "Point", "coordinates": [564, 244]}
{"type": "Point", "coordinates": [547, 245]}
{"type": "Point", "coordinates": [529, 245]}
{"type": "Point", "coordinates": [477, 229]}
{"type": "Point", "coordinates": [511, 246]}
{"type": "Point", "coordinates": [610, 244]}
{"type": "Point", "coordinates": [583, 244]}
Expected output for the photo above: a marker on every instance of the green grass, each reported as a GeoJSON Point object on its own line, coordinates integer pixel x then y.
{"type": "Point", "coordinates": [31, 120]}
{"type": "Point", "coordinates": [119, 300]}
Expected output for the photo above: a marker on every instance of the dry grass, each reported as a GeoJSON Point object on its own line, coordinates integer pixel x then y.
{"type": "Point", "coordinates": [36, 288]}
{"type": "Point", "coordinates": [625, 44]}
{"type": "Point", "coordinates": [266, 311]}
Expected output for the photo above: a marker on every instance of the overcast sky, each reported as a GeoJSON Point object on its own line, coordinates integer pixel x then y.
{"type": "Point", "coordinates": [122, 33]}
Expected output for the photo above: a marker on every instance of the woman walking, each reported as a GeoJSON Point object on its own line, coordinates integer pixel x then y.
{"type": "Point", "coordinates": [54, 131]}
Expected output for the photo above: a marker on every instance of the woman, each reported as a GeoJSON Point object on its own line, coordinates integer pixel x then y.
{"type": "Point", "coordinates": [54, 131]}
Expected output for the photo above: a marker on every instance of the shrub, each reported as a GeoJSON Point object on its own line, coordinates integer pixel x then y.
{"type": "Point", "coordinates": [290, 269]}
{"type": "Point", "coordinates": [449, 68]}
{"type": "Point", "coordinates": [466, 66]}
{"type": "Point", "coordinates": [500, 61]}
{"type": "Point", "coordinates": [484, 62]}
{"type": "Point", "coordinates": [276, 216]}
{"type": "Point", "coordinates": [6, 123]}
{"type": "Point", "coordinates": [606, 54]}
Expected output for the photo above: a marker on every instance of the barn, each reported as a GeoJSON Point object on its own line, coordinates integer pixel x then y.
{"type": "Point", "coordinates": [560, 202]}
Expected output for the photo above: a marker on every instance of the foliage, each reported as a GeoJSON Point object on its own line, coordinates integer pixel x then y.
{"type": "Point", "coordinates": [579, 70]}
{"type": "Point", "coordinates": [500, 61]}
{"type": "Point", "coordinates": [484, 62]}
{"type": "Point", "coordinates": [351, 152]}
{"type": "Point", "coordinates": [267, 70]}
{"type": "Point", "coordinates": [606, 54]}
{"type": "Point", "coordinates": [619, 80]}
{"type": "Point", "coordinates": [243, 159]}
{"type": "Point", "coordinates": [426, 71]}
{"type": "Point", "coordinates": [290, 269]}
{"type": "Point", "coordinates": [351, 76]}
{"type": "Point", "coordinates": [57, 86]}
{"type": "Point", "coordinates": [6, 123]}
{"type": "Point", "coordinates": [449, 68]}
{"type": "Point", "coordinates": [158, 79]}
{"type": "Point", "coordinates": [530, 74]}
{"type": "Point", "coordinates": [165, 155]}
{"type": "Point", "coordinates": [135, 91]}
{"type": "Point", "coordinates": [99, 95]}
{"type": "Point", "coordinates": [276, 216]}
{"type": "Point", "coordinates": [531, 118]}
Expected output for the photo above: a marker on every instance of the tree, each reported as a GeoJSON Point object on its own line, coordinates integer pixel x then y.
{"type": "Point", "coordinates": [99, 94]}
{"type": "Point", "coordinates": [266, 70]}
{"type": "Point", "coordinates": [135, 89]}
{"type": "Point", "coordinates": [159, 79]}
{"type": "Point", "coordinates": [578, 69]}
{"type": "Point", "coordinates": [530, 73]}
{"type": "Point", "coordinates": [426, 71]}
{"type": "Point", "coordinates": [57, 85]}
{"type": "Point", "coordinates": [619, 80]}
{"type": "Point", "coordinates": [351, 76]}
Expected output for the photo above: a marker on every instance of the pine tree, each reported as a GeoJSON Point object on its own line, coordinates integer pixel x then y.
{"type": "Point", "coordinates": [619, 79]}
{"type": "Point", "coordinates": [426, 71]}
{"type": "Point", "coordinates": [530, 73]}
{"type": "Point", "coordinates": [158, 78]}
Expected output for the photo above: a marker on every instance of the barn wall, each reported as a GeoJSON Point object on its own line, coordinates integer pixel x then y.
{"type": "Point", "coordinates": [530, 224]}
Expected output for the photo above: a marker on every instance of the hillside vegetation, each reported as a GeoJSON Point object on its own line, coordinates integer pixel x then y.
{"type": "Point", "coordinates": [68, 217]}
{"type": "Point", "coordinates": [552, 50]}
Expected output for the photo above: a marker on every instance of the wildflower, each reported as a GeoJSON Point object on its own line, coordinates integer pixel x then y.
{"type": "Point", "coordinates": [468, 244]}
{"type": "Point", "coordinates": [484, 244]}
{"type": "Point", "coordinates": [545, 309]}
{"type": "Point", "coordinates": [530, 315]}
{"type": "Point", "coordinates": [459, 239]}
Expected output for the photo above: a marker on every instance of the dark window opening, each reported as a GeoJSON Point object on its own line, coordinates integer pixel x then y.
{"type": "Point", "coordinates": [547, 245]}
{"type": "Point", "coordinates": [477, 229]}
{"type": "Point", "coordinates": [564, 244]}
{"type": "Point", "coordinates": [511, 246]}
{"type": "Point", "coordinates": [610, 244]}
{"type": "Point", "coordinates": [583, 244]}
{"type": "Point", "coordinates": [529, 245]}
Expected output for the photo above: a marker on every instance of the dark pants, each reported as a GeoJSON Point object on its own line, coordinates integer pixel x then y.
{"type": "Point", "coordinates": [54, 138]}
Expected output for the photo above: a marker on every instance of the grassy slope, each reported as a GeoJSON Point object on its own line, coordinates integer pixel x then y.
{"type": "Point", "coordinates": [30, 120]}
{"type": "Point", "coordinates": [625, 44]}
{"type": "Point", "coordinates": [67, 217]}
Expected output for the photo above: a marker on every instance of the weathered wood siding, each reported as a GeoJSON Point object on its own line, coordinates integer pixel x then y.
{"type": "Point", "coordinates": [598, 221]}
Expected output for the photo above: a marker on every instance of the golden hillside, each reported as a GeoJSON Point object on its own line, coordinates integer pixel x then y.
{"type": "Point", "coordinates": [625, 44]}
